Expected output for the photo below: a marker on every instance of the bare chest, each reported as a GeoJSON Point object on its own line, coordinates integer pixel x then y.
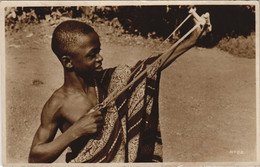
{"type": "Point", "coordinates": [75, 107]}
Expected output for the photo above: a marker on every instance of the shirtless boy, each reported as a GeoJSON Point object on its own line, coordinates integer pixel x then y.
{"type": "Point", "coordinates": [77, 46]}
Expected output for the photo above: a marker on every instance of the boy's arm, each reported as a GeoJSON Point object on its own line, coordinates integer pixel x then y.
{"type": "Point", "coordinates": [44, 149]}
{"type": "Point", "coordinates": [174, 53]}
{"type": "Point", "coordinates": [184, 46]}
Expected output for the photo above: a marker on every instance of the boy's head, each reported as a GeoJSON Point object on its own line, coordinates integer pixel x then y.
{"type": "Point", "coordinates": [67, 35]}
{"type": "Point", "coordinates": [77, 46]}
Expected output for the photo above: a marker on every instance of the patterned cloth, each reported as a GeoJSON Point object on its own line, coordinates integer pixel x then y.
{"type": "Point", "coordinates": [131, 131]}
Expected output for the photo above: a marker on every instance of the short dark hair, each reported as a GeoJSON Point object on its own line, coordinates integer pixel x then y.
{"type": "Point", "coordinates": [66, 35]}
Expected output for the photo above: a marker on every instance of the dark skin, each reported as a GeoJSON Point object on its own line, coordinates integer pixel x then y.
{"type": "Point", "coordinates": [68, 108]}
{"type": "Point", "coordinates": [63, 111]}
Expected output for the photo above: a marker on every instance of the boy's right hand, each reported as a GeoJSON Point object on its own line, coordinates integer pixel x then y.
{"type": "Point", "coordinates": [89, 123]}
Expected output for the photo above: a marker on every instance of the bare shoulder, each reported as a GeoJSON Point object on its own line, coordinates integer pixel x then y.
{"type": "Point", "coordinates": [52, 107]}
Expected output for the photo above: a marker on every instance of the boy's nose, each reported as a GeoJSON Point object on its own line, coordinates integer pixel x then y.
{"type": "Point", "coordinates": [99, 58]}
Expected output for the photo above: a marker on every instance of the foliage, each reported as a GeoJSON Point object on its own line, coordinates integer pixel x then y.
{"type": "Point", "coordinates": [228, 21]}
{"type": "Point", "coordinates": [232, 20]}
{"type": "Point", "coordinates": [240, 46]}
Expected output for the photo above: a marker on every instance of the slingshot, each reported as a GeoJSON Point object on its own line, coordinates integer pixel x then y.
{"type": "Point", "coordinates": [200, 21]}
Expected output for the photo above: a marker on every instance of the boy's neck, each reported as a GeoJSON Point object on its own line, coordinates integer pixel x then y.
{"type": "Point", "coordinates": [74, 81]}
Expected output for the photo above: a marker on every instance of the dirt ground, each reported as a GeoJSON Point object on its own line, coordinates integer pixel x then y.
{"type": "Point", "coordinates": [207, 96]}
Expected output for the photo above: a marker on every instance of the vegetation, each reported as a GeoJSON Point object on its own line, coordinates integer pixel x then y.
{"type": "Point", "coordinates": [241, 46]}
{"type": "Point", "coordinates": [233, 25]}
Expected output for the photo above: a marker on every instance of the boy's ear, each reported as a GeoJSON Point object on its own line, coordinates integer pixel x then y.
{"type": "Point", "coordinates": [66, 62]}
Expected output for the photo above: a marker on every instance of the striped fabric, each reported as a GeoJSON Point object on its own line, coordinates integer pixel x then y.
{"type": "Point", "coordinates": [131, 132]}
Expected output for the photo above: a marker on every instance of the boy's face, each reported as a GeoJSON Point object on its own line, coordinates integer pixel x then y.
{"type": "Point", "coordinates": [87, 59]}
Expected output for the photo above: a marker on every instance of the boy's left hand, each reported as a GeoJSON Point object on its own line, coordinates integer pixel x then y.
{"type": "Point", "coordinates": [203, 29]}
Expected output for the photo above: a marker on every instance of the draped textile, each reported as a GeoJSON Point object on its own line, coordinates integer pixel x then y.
{"type": "Point", "coordinates": [131, 131]}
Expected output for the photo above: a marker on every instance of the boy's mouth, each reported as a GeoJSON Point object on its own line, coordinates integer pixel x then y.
{"type": "Point", "coordinates": [99, 67]}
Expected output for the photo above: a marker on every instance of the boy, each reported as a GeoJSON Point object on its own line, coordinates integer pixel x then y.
{"type": "Point", "coordinates": [127, 130]}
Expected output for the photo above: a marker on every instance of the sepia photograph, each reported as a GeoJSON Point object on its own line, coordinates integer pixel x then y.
{"type": "Point", "coordinates": [130, 82]}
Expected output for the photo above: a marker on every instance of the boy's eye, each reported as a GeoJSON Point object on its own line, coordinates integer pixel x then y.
{"type": "Point", "coordinates": [92, 55]}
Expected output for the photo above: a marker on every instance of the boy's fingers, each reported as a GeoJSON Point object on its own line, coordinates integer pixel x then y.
{"type": "Point", "coordinates": [97, 113]}
{"type": "Point", "coordinates": [100, 124]}
{"type": "Point", "coordinates": [99, 127]}
{"type": "Point", "coordinates": [99, 119]}
{"type": "Point", "coordinates": [208, 25]}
